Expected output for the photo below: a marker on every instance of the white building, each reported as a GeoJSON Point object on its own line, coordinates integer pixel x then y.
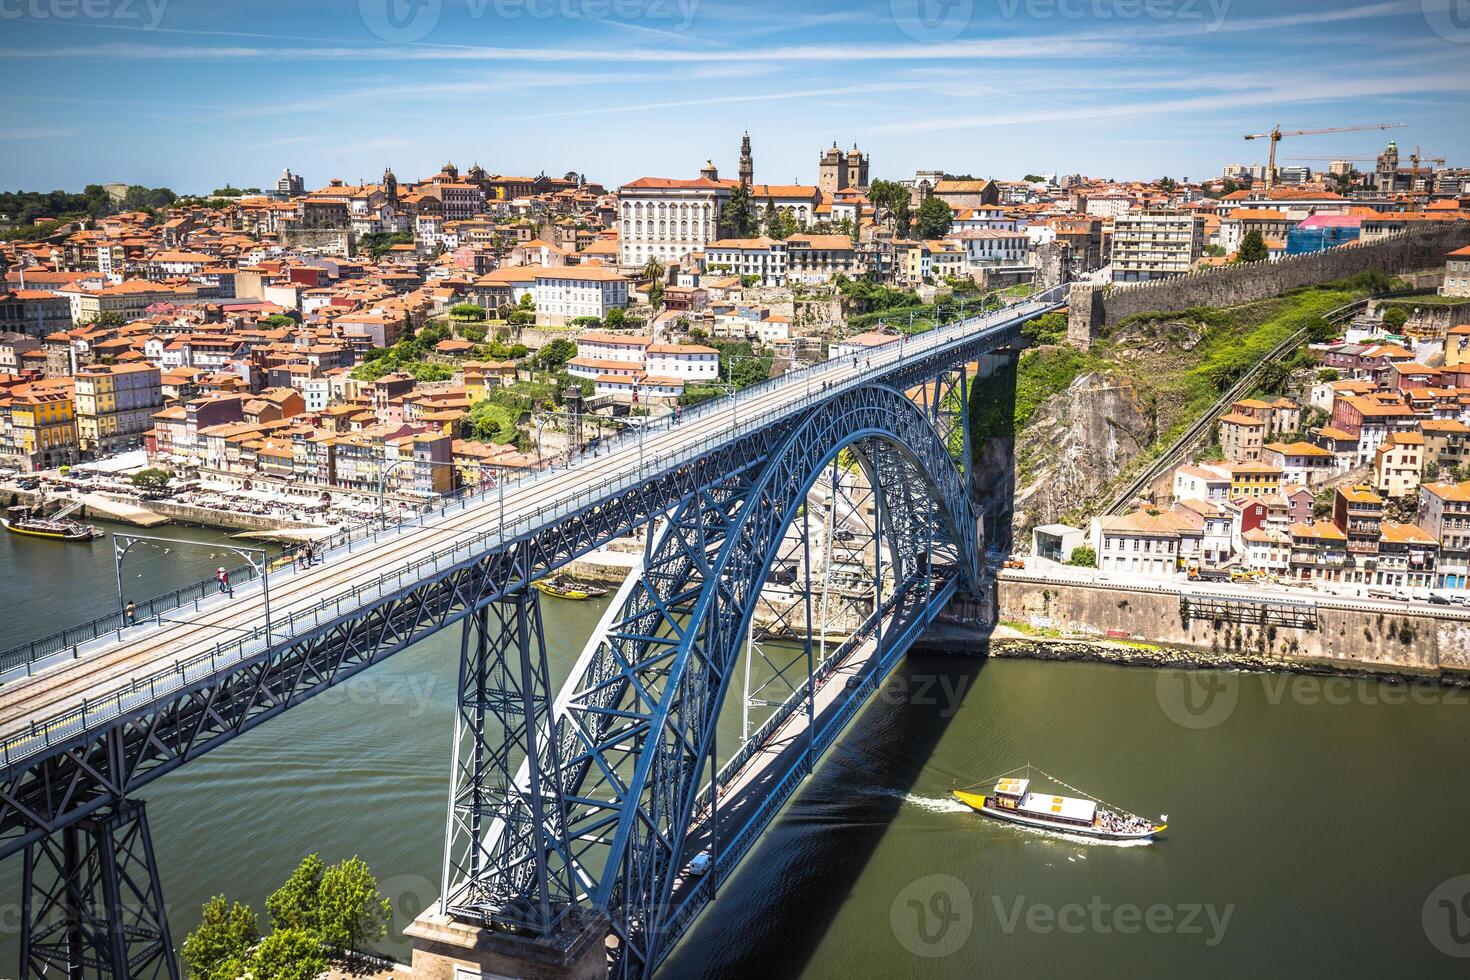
{"type": "Point", "coordinates": [762, 257]}
{"type": "Point", "coordinates": [1201, 482]}
{"type": "Point", "coordinates": [666, 219]}
{"type": "Point", "coordinates": [562, 294]}
{"type": "Point", "coordinates": [1266, 550]}
{"type": "Point", "coordinates": [1143, 543]}
{"type": "Point", "coordinates": [990, 247]}
{"type": "Point", "coordinates": [687, 362]}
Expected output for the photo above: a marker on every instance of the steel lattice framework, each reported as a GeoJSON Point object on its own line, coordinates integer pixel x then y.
{"type": "Point", "coordinates": [639, 721]}
{"type": "Point", "coordinates": [620, 767]}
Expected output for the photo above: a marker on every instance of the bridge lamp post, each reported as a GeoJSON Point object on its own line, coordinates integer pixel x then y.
{"type": "Point", "coordinates": [256, 558]}
{"type": "Point", "coordinates": [383, 482]}
{"type": "Point", "coordinates": [499, 469]}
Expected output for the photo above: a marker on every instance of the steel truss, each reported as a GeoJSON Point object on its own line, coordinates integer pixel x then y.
{"type": "Point", "coordinates": [627, 751]}
{"type": "Point", "coordinates": [92, 905]}
{"type": "Point", "coordinates": [638, 724]}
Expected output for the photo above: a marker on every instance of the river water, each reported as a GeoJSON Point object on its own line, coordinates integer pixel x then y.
{"type": "Point", "coordinates": [1316, 827]}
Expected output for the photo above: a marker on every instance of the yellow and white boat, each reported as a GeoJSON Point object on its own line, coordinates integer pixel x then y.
{"type": "Point", "coordinates": [1012, 800]}
{"type": "Point", "coordinates": [563, 589]}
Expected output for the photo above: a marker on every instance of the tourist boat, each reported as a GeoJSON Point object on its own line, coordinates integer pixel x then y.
{"type": "Point", "coordinates": [563, 589]}
{"type": "Point", "coordinates": [19, 520]}
{"type": "Point", "coordinates": [1013, 800]}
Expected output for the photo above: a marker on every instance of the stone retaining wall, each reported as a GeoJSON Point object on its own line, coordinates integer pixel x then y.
{"type": "Point", "coordinates": [1430, 642]}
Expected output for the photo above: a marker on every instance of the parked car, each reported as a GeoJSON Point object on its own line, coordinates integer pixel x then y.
{"type": "Point", "coordinates": [1438, 599]}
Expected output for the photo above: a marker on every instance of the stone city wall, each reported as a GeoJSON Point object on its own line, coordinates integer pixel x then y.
{"type": "Point", "coordinates": [1095, 308]}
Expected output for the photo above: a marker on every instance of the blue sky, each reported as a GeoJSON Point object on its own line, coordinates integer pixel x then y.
{"type": "Point", "coordinates": [196, 93]}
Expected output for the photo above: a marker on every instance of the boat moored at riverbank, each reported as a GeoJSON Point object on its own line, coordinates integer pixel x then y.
{"type": "Point", "coordinates": [20, 520]}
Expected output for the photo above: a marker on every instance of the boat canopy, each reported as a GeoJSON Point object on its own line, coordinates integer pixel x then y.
{"type": "Point", "coordinates": [1015, 788]}
{"type": "Point", "coordinates": [1063, 807]}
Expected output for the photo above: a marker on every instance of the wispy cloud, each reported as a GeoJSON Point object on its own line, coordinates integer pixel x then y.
{"type": "Point", "coordinates": [782, 96]}
{"type": "Point", "coordinates": [38, 133]}
{"type": "Point", "coordinates": [1040, 48]}
{"type": "Point", "coordinates": [1327, 90]}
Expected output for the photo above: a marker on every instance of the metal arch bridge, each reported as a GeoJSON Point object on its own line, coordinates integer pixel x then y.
{"type": "Point", "coordinates": [593, 800]}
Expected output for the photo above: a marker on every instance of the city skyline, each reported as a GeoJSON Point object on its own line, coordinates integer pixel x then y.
{"type": "Point", "coordinates": [177, 94]}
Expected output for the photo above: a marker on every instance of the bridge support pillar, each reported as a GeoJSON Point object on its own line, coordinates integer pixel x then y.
{"type": "Point", "coordinates": [506, 858]}
{"type": "Point", "coordinates": [448, 949]}
{"type": "Point", "coordinates": [93, 908]}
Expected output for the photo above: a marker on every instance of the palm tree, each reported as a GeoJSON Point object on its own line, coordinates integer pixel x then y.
{"type": "Point", "coordinates": [653, 271]}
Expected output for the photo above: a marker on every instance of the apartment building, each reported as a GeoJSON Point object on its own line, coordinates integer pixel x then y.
{"type": "Point", "coordinates": [1444, 514]}
{"type": "Point", "coordinates": [115, 405]}
{"type": "Point", "coordinates": [1156, 244]}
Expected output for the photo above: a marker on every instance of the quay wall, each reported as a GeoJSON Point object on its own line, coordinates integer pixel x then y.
{"type": "Point", "coordinates": [1092, 308]}
{"type": "Point", "coordinates": [1426, 641]}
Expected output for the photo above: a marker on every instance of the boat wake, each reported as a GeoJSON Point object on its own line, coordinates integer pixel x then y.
{"type": "Point", "coordinates": [934, 804]}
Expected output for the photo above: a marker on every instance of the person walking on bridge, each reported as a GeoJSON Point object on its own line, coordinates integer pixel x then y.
{"type": "Point", "coordinates": [223, 578]}
{"type": "Point", "coordinates": [130, 614]}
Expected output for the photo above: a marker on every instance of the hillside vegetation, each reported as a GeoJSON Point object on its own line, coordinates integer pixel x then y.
{"type": "Point", "coordinates": [1062, 428]}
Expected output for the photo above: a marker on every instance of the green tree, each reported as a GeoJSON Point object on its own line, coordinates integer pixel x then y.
{"type": "Point", "coordinates": [1083, 556]}
{"type": "Point", "coordinates": [556, 354]}
{"type": "Point", "coordinates": [934, 219]}
{"type": "Point", "coordinates": [1431, 471]}
{"type": "Point", "coordinates": [220, 946]}
{"type": "Point", "coordinates": [296, 904]}
{"type": "Point", "coordinates": [352, 912]}
{"type": "Point", "coordinates": [615, 318]}
{"type": "Point", "coordinates": [894, 198]}
{"type": "Point", "coordinates": [467, 311]}
{"type": "Point", "coordinates": [1215, 251]}
{"type": "Point", "coordinates": [1167, 184]}
{"type": "Point", "coordinates": [289, 954]}
{"type": "Point", "coordinates": [1395, 317]}
{"type": "Point", "coordinates": [152, 479]}
{"type": "Point", "coordinates": [1252, 248]}
{"type": "Point", "coordinates": [738, 218]}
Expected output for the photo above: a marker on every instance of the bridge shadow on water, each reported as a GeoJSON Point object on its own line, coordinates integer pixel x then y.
{"type": "Point", "coordinates": [771, 917]}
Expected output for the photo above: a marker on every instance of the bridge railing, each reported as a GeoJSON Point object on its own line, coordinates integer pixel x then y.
{"type": "Point", "coordinates": [202, 665]}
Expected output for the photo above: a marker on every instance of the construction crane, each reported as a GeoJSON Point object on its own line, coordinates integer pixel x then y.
{"type": "Point", "coordinates": [1417, 155]}
{"type": "Point", "coordinates": [1277, 133]}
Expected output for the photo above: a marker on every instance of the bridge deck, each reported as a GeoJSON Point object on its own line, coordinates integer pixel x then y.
{"type": "Point", "coordinates": [28, 704]}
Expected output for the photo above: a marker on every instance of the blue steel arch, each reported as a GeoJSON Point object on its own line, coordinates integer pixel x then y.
{"type": "Point", "coordinates": [640, 721]}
